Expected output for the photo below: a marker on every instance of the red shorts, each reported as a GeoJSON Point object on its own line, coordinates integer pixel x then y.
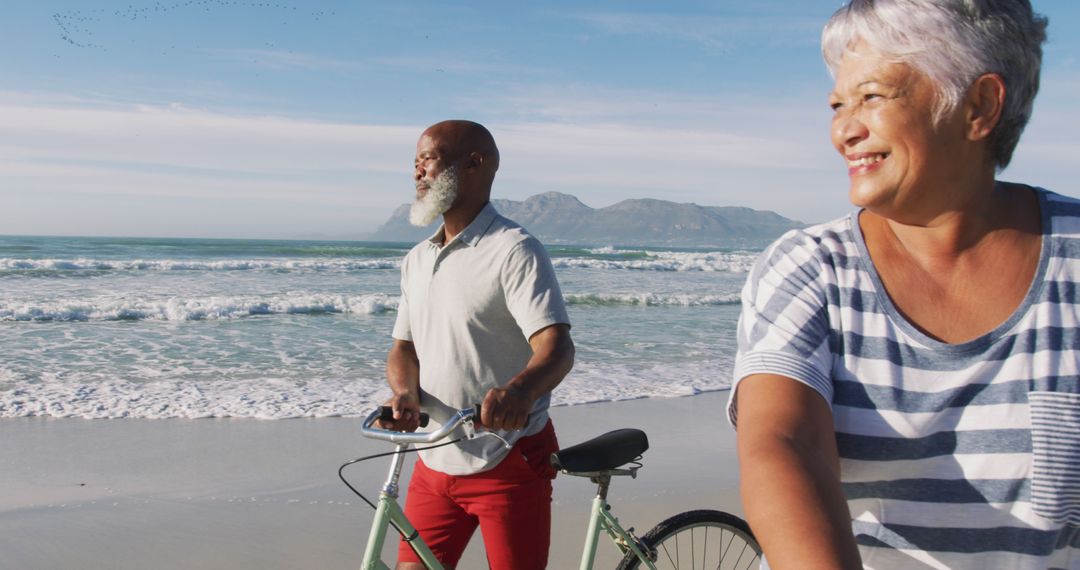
{"type": "Point", "coordinates": [511, 503]}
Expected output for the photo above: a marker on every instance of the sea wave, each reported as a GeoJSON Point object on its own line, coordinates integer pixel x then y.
{"type": "Point", "coordinates": [194, 309]}
{"type": "Point", "coordinates": [231, 307]}
{"type": "Point", "coordinates": [737, 262]}
{"type": "Point", "coordinates": [276, 395]}
{"type": "Point", "coordinates": [267, 398]}
{"type": "Point", "coordinates": [600, 258]}
{"type": "Point", "coordinates": [651, 299]}
{"type": "Point", "coordinates": [84, 264]}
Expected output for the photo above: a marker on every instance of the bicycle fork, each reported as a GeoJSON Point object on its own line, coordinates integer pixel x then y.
{"type": "Point", "coordinates": [602, 519]}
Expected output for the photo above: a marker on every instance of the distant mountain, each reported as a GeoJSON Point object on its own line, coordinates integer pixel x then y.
{"type": "Point", "coordinates": [561, 218]}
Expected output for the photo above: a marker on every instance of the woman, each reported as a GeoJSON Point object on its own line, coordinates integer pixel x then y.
{"type": "Point", "coordinates": [908, 380]}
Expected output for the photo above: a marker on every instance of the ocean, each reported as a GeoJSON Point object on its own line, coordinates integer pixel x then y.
{"type": "Point", "coordinates": [275, 329]}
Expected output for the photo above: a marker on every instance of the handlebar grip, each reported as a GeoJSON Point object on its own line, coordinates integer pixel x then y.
{"type": "Point", "coordinates": [386, 414]}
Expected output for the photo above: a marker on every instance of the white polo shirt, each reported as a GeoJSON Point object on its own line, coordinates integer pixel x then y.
{"type": "Point", "coordinates": [469, 308]}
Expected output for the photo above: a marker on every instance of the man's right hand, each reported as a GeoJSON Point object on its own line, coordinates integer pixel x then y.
{"type": "Point", "coordinates": [406, 408]}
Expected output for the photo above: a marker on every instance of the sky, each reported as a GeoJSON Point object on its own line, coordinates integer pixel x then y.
{"type": "Point", "coordinates": [285, 119]}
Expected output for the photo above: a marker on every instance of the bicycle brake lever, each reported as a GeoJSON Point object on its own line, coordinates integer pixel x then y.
{"type": "Point", "coordinates": [468, 429]}
{"type": "Point", "coordinates": [505, 443]}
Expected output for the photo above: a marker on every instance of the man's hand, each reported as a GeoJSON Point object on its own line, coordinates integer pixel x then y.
{"type": "Point", "coordinates": [553, 355]}
{"type": "Point", "coordinates": [505, 408]}
{"type": "Point", "coordinates": [406, 408]}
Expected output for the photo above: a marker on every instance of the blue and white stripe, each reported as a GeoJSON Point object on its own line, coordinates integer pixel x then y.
{"type": "Point", "coordinates": [952, 456]}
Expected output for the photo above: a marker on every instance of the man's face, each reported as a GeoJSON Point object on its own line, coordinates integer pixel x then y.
{"type": "Point", "coordinates": [436, 182]}
{"type": "Point", "coordinates": [430, 161]}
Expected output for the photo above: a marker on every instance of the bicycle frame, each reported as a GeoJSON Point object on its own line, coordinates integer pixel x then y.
{"type": "Point", "coordinates": [389, 511]}
{"type": "Point", "coordinates": [601, 519]}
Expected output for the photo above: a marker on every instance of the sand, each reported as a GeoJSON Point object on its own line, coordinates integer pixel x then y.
{"type": "Point", "coordinates": [228, 493]}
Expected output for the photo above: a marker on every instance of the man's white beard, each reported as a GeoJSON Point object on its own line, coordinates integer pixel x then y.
{"type": "Point", "coordinates": [437, 200]}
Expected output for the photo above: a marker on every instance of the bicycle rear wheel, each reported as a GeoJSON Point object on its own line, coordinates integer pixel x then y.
{"type": "Point", "coordinates": [700, 539]}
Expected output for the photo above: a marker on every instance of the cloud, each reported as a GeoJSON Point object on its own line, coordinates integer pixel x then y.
{"type": "Point", "coordinates": [663, 25]}
{"type": "Point", "coordinates": [602, 164]}
{"type": "Point", "coordinates": [602, 145]}
{"type": "Point", "coordinates": [795, 112]}
{"type": "Point", "coordinates": [569, 122]}
{"type": "Point", "coordinates": [179, 152]}
{"type": "Point", "coordinates": [460, 64]}
{"type": "Point", "coordinates": [715, 34]}
{"type": "Point", "coordinates": [185, 138]}
{"type": "Point", "coordinates": [85, 156]}
{"type": "Point", "coordinates": [285, 60]}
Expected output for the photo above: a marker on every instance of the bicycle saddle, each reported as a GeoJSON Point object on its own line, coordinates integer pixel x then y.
{"type": "Point", "coordinates": [603, 452]}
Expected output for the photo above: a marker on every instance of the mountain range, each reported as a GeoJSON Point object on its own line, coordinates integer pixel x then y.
{"type": "Point", "coordinates": [554, 217]}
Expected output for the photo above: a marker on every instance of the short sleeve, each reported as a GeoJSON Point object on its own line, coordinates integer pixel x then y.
{"type": "Point", "coordinates": [531, 290]}
{"type": "Point", "coordinates": [402, 326]}
{"type": "Point", "coordinates": [784, 325]}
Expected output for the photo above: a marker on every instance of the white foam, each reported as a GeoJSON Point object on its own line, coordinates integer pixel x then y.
{"type": "Point", "coordinates": [651, 299]}
{"type": "Point", "coordinates": [130, 308]}
{"type": "Point", "coordinates": [264, 399]}
{"type": "Point", "coordinates": [610, 381]}
{"type": "Point", "coordinates": [192, 309]}
{"type": "Point", "coordinates": [733, 262]}
{"type": "Point", "coordinates": [86, 264]}
{"type": "Point", "coordinates": [295, 367]}
{"type": "Point", "coordinates": [82, 395]}
{"type": "Point", "coordinates": [736, 262]}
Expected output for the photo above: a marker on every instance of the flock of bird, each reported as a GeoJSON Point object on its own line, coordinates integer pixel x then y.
{"type": "Point", "coordinates": [77, 26]}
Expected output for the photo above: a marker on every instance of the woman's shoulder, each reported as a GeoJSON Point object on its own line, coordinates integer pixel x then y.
{"type": "Point", "coordinates": [1059, 205]}
{"type": "Point", "coordinates": [811, 254]}
{"type": "Point", "coordinates": [823, 240]}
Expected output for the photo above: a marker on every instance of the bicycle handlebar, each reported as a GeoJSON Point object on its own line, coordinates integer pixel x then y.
{"type": "Point", "coordinates": [462, 416]}
{"type": "Point", "coordinates": [386, 414]}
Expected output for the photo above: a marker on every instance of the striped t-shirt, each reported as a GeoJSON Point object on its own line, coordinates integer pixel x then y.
{"type": "Point", "coordinates": [952, 455]}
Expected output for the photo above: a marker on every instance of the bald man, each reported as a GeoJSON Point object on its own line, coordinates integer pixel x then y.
{"type": "Point", "coordinates": [481, 320]}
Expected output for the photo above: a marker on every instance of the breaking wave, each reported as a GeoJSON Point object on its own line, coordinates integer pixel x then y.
{"type": "Point", "coordinates": [82, 264]}
{"type": "Point", "coordinates": [195, 309]}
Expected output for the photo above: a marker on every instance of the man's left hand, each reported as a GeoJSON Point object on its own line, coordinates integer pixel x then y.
{"type": "Point", "coordinates": [505, 409]}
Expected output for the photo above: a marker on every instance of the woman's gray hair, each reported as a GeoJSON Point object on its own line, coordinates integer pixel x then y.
{"type": "Point", "coordinates": [952, 42]}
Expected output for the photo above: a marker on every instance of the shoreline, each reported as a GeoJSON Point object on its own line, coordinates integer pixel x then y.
{"type": "Point", "coordinates": [237, 493]}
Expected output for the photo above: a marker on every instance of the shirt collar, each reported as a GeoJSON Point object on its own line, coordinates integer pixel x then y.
{"type": "Point", "coordinates": [473, 232]}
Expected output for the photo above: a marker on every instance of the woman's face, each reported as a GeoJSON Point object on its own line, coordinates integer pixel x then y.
{"type": "Point", "coordinates": [899, 162]}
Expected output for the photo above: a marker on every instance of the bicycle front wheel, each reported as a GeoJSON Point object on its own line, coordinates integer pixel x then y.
{"type": "Point", "coordinates": [699, 539]}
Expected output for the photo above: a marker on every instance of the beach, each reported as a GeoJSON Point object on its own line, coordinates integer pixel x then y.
{"type": "Point", "coordinates": [248, 493]}
{"type": "Point", "coordinates": [186, 403]}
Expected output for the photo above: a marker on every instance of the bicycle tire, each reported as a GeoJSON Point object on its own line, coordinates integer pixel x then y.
{"type": "Point", "coordinates": [700, 539]}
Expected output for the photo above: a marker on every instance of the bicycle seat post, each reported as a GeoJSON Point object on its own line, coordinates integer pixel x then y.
{"type": "Point", "coordinates": [391, 487]}
{"type": "Point", "coordinates": [603, 481]}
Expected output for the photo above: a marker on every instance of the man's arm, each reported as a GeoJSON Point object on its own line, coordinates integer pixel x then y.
{"type": "Point", "coordinates": [403, 375]}
{"type": "Point", "coordinates": [789, 469]}
{"type": "Point", "coordinates": [553, 356]}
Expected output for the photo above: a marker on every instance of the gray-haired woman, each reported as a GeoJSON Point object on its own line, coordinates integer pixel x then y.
{"type": "Point", "coordinates": [908, 379]}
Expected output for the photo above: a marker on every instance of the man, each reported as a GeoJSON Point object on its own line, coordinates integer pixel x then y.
{"type": "Point", "coordinates": [481, 320]}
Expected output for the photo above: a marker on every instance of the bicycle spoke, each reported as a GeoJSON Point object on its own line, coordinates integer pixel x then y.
{"type": "Point", "coordinates": [668, 554]}
{"type": "Point", "coordinates": [687, 541]}
{"type": "Point", "coordinates": [691, 549]}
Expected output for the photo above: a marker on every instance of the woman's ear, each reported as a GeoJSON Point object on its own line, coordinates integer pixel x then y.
{"type": "Point", "coordinates": [984, 103]}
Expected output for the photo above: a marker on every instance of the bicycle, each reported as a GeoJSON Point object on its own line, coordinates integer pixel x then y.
{"type": "Point", "coordinates": [685, 540]}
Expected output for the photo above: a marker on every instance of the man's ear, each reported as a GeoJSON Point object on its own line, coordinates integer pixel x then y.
{"type": "Point", "coordinates": [476, 161]}
{"type": "Point", "coordinates": [984, 103]}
